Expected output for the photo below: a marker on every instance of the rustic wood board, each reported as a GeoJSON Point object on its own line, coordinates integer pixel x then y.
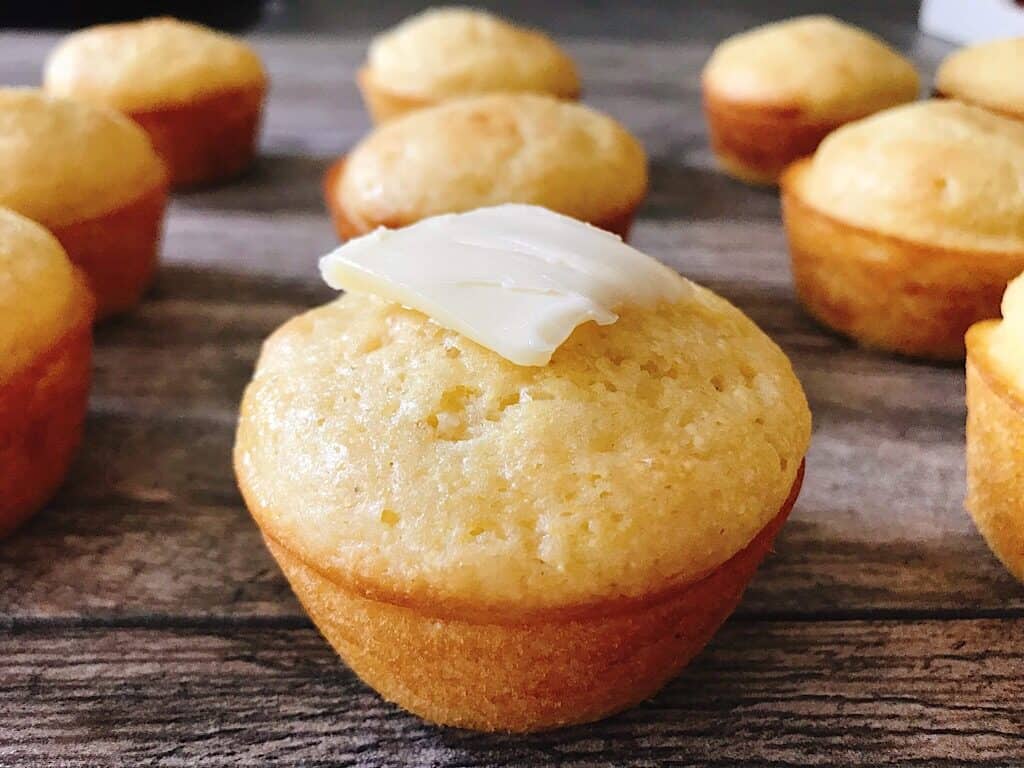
{"type": "Point", "coordinates": [142, 622]}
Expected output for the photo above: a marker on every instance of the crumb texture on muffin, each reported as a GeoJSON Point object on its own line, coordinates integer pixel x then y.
{"type": "Point", "coordinates": [490, 150]}
{"type": "Point", "coordinates": [150, 64]}
{"type": "Point", "coordinates": [448, 52]}
{"type": "Point", "coordinates": [38, 292]}
{"type": "Point", "coordinates": [817, 65]}
{"type": "Point", "coordinates": [939, 173]}
{"type": "Point", "coordinates": [64, 161]}
{"type": "Point", "coordinates": [401, 458]}
{"type": "Point", "coordinates": [988, 75]}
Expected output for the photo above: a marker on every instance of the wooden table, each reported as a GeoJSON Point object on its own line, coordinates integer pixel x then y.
{"type": "Point", "coordinates": [142, 622]}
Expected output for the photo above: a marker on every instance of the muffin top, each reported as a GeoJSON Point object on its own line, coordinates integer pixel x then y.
{"type": "Point", "coordinates": [149, 64]}
{"type": "Point", "coordinates": [65, 161]}
{"type": "Point", "coordinates": [988, 75]}
{"type": "Point", "coordinates": [40, 294]}
{"type": "Point", "coordinates": [1006, 343]}
{"type": "Point", "coordinates": [939, 172]}
{"type": "Point", "coordinates": [408, 462]}
{"type": "Point", "coordinates": [493, 149]}
{"type": "Point", "coordinates": [826, 69]}
{"type": "Point", "coordinates": [447, 52]}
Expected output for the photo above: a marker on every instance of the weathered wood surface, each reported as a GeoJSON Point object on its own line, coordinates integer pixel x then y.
{"type": "Point", "coordinates": [934, 693]}
{"type": "Point", "coordinates": [141, 621]}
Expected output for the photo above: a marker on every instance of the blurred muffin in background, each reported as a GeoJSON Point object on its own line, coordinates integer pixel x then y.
{"type": "Point", "coordinates": [446, 53]}
{"type": "Point", "coordinates": [905, 227]}
{"type": "Point", "coordinates": [198, 93]}
{"type": "Point", "coordinates": [995, 429]}
{"type": "Point", "coordinates": [90, 176]}
{"type": "Point", "coordinates": [45, 355]}
{"type": "Point", "coordinates": [773, 93]}
{"type": "Point", "coordinates": [487, 150]}
{"type": "Point", "coordinates": [989, 75]}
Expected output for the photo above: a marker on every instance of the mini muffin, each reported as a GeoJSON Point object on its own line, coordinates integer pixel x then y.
{"type": "Point", "coordinates": [773, 93]}
{"type": "Point", "coordinates": [45, 353]}
{"type": "Point", "coordinates": [905, 227]}
{"type": "Point", "coordinates": [197, 93]}
{"type": "Point", "coordinates": [91, 177]}
{"type": "Point", "coordinates": [995, 429]}
{"type": "Point", "coordinates": [488, 150]}
{"type": "Point", "coordinates": [518, 546]}
{"type": "Point", "coordinates": [447, 53]}
{"type": "Point", "coordinates": [989, 75]}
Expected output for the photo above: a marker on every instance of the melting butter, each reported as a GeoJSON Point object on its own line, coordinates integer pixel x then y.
{"type": "Point", "coordinates": [516, 279]}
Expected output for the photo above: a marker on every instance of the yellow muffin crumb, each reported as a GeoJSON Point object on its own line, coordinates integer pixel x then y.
{"type": "Point", "coordinates": [37, 291]}
{"type": "Point", "coordinates": [149, 64]}
{"type": "Point", "coordinates": [64, 161]}
{"type": "Point", "coordinates": [494, 149]}
{"type": "Point", "coordinates": [391, 452]}
{"type": "Point", "coordinates": [827, 69]}
{"type": "Point", "coordinates": [989, 75]}
{"type": "Point", "coordinates": [448, 52]}
{"type": "Point", "coordinates": [936, 172]}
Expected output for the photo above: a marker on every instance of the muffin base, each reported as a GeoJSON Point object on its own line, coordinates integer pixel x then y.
{"type": "Point", "coordinates": [207, 140]}
{"type": "Point", "coordinates": [995, 453]}
{"type": "Point", "coordinates": [886, 292]}
{"type": "Point", "coordinates": [530, 671]}
{"type": "Point", "coordinates": [118, 250]}
{"type": "Point", "coordinates": [755, 142]}
{"type": "Point", "coordinates": [42, 412]}
{"type": "Point", "coordinates": [348, 226]}
{"type": "Point", "coordinates": [383, 104]}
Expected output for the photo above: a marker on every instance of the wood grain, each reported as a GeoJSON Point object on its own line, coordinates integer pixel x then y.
{"type": "Point", "coordinates": [142, 622]}
{"type": "Point", "coordinates": [766, 694]}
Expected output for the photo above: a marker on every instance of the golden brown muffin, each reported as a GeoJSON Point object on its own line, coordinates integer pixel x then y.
{"type": "Point", "coordinates": [45, 353]}
{"type": "Point", "coordinates": [773, 93]}
{"type": "Point", "coordinates": [905, 227]}
{"type": "Point", "coordinates": [520, 547]}
{"type": "Point", "coordinates": [987, 75]}
{"type": "Point", "coordinates": [447, 53]}
{"type": "Point", "coordinates": [91, 177]}
{"type": "Point", "coordinates": [487, 150]}
{"type": "Point", "coordinates": [198, 93]}
{"type": "Point", "coordinates": [995, 429]}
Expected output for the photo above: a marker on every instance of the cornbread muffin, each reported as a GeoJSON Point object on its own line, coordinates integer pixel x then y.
{"type": "Point", "coordinates": [989, 75]}
{"type": "Point", "coordinates": [773, 93]}
{"type": "Point", "coordinates": [513, 547]}
{"type": "Point", "coordinates": [447, 53]}
{"type": "Point", "coordinates": [995, 429]}
{"type": "Point", "coordinates": [197, 93]}
{"type": "Point", "coordinates": [90, 176]}
{"type": "Point", "coordinates": [904, 228]}
{"type": "Point", "coordinates": [45, 353]}
{"type": "Point", "coordinates": [487, 150]}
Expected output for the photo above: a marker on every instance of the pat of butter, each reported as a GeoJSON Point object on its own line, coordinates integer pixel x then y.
{"type": "Point", "coordinates": [516, 279]}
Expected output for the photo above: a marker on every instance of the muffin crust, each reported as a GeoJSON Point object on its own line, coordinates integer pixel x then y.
{"type": "Point", "coordinates": [146, 65]}
{"type": "Point", "coordinates": [65, 162]}
{"type": "Point", "coordinates": [995, 430]}
{"type": "Point", "coordinates": [419, 459]}
{"type": "Point", "coordinates": [451, 52]}
{"type": "Point", "coordinates": [489, 150]}
{"type": "Point", "coordinates": [987, 75]}
{"type": "Point", "coordinates": [815, 64]}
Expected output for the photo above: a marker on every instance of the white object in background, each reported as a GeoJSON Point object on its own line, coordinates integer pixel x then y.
{"type": "Point", "coordinates": [971, 21]}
